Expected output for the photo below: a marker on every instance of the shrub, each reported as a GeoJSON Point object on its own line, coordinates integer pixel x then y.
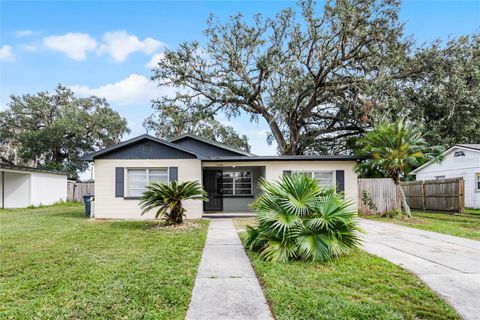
{"type": "Point", "coordinates": [167, 199]}
{"type": "Point", "coordinates": [297, 219]}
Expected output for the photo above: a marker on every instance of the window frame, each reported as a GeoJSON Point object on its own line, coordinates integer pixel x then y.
{"type": "Point", "coordinates": [312, 172]}
{"type": "Point", "coordinates": [440, 177]}
{"type": "Point", "coordinates": [147, 171]}
{"type": "Point", "coordinates": [234, 194]}
{"type": "Point", "coordinates": [477, 181]}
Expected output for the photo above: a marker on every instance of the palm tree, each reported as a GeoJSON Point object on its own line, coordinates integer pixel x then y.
{"type": "Point", "coordinates": [299, 220]}
{"type": "Point", "coordinates": [167, 199]}
{"type": "Point", "coordinates": [396, 149]}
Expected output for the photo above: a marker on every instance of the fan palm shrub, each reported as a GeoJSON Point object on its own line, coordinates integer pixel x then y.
{"type": "Point", "coordinates": [166, 199]}
{"type": "Point", "coordinates": [297, 219]}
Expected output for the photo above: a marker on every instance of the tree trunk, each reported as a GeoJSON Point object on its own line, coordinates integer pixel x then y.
{"type": "Point", "coordinates": [403, 199]}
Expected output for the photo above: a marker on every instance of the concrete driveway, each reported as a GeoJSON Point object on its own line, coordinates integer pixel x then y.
{"type": "Point", "coordinates": [449, 265]}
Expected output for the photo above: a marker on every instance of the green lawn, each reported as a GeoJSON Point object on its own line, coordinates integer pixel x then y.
{"type": "Point", "coordinates": [55, 264]}
{"type": "Point", "coordinates": [359, 286]}
{"type": "Point", "coordinates": [466, 225]}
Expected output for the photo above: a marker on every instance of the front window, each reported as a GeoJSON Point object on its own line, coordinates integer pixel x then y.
{"type": "Point", "coordinates": [477, 180]}
{"type": "Point", "coordinates": [439, 177]}
{"type": "Point", "coordinates": [236, 183]}
{"type": "Point", "coordinates": [139, 178]}
{"type": "Point", "coordinates": [324, 178]}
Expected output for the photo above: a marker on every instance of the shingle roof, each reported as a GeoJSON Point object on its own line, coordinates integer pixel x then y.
{"type": "Point", "coordinates": [92, 156]}
{"type": "Point", "coordinates": [246, 157]}
{"type": "Point", "coordinates": [289, 158]}
{"type": "Point", "coordinates": [212, 142]}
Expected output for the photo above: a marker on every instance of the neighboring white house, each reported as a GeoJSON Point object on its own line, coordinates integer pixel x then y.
{"type": "Point", "coordinates": [229, 176]}
{"type": "Point", "coordinates": [21, 187]}
{"type": "Point", "coordinates": [461, 161]}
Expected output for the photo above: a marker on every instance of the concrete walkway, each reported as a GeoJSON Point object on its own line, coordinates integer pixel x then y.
{"type": "Point", "coordinates": [226, 286]}
{"type": "Point", "coordinates": [449, 265]}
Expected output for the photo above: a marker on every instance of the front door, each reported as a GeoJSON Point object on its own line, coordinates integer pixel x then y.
{"type": "Point", "coordinates": [212, 182]}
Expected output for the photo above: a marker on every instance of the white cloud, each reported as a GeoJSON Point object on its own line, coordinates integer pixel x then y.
{"type": "Point", "coordinates": [23, 33]}
{"type": "Point", "coordinates": [74, 45]}
{"type": "Point", "coordinates": [6, 53]}
{"type": "Point", "coordinates": [154, 60]}
{"type": "Point", "coordinates": [120, 44]}
{"type": "Point", "coordinates": [134, 90]}
{"type": "Point", "coordinates": [29, 47]}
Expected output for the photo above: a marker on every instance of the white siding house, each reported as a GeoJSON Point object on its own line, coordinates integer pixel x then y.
{"type": "Point", "coordinates": [21, 187]}
{"type": "Point", "coordinates": [461, 161]}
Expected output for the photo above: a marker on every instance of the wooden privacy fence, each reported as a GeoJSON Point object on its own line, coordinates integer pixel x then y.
{"type": "Point", "coordinates": [377, 196]}
{"type": "Point", "coordinates": [436, 195]}
{"type": "Point", "coordinates": [76, 190]}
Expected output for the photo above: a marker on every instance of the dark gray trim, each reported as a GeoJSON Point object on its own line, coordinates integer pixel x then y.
{"type": "Point", "coordinates": [119, 182]}
{"type": "Point", "coordinates": [30, 169]}
{"type": "Point", "coordinates": [173, 174]}
{"type": "Point", "coordinates": [340, 180]}
{"type": "Point", "coordinates": [475, 147]}
{"type": "Point", "coordinates": [132, 198]}
{"type": "Point", "coordinates": [96, 155]}
{"type": "Point", "coordinates": [287, 158]}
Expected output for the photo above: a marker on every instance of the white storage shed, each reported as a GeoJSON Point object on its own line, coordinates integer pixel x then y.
{"type": "Point", "coordinates": [21, 186]}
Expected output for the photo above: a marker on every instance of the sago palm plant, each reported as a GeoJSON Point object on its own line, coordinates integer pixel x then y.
{"type": "Point", "coordinates": [166, 199]}
{"type": "Point", "coordinates": [297, 219]}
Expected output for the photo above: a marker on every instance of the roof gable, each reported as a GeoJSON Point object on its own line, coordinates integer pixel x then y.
{"type": "Point", "coordinates": [206, 147]}
{"type": "Point", "coordinates": [142, 147]}
{"type": "Point", "coordinates": [469, 147]}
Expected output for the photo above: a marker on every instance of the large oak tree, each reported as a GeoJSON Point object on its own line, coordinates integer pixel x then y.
{"type": "Point", "coordinates": [310, 75]}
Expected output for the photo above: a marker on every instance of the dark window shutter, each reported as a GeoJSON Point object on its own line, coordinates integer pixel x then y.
{"type": "Point", "coordinates": [287, 172]}
{"type": "Point", "coordinates": [340, 178]}
{"type": "Point", "coordinates": [173, 173]}
{"type": "Point", "coordinates": [119, 182]}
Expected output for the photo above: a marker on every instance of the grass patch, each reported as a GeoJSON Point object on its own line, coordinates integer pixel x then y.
{"type": "Point", "coordinates": [55, 264]}
{"type": "Point", "coordinates": [466, 225]}
{"type": "Point", "coordinates": [359, 286]}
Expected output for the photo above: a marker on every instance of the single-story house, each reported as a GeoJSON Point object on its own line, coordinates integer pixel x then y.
{"type": "Point", "coordinates": [21, 186]}
{"type": "Point", "coordinates": [460, 161]}
{"type": "Point", "coordinates": [229, 176]}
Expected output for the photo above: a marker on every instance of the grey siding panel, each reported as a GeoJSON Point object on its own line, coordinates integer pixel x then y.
{"type": "Point", "coordinates": [173, 173]}
{"type": "Point", "coordinates": [147, 150]}
{"type": "Point", "coordinates": [119, 182]}
{"type": "Point", "coordinates": [340, 178]}
{"type": "Point", "coordinates": [203, 148]}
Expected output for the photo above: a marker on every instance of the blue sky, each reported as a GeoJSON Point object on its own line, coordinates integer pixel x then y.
{"type": "Point", "coordinates": [105, 48]}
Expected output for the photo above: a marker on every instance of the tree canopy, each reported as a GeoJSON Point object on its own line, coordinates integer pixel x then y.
{"type": "Point", "coordinates": [322, 76]}
{"type": "Point", "coordinates": [52, 130]}
{"type": "Point", "coordinates": [309, 76]}
{"type": "Point", "coordinates": [172, 121]}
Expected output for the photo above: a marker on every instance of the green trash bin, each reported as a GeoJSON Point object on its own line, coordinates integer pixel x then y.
{"type": "Point", "coordinates": [87, 200]}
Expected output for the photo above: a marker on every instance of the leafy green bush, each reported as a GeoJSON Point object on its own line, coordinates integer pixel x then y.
{"type": "Point", "coordinates": [297, 219]}
{"type": "Point", "coordinates": [167, 199]}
